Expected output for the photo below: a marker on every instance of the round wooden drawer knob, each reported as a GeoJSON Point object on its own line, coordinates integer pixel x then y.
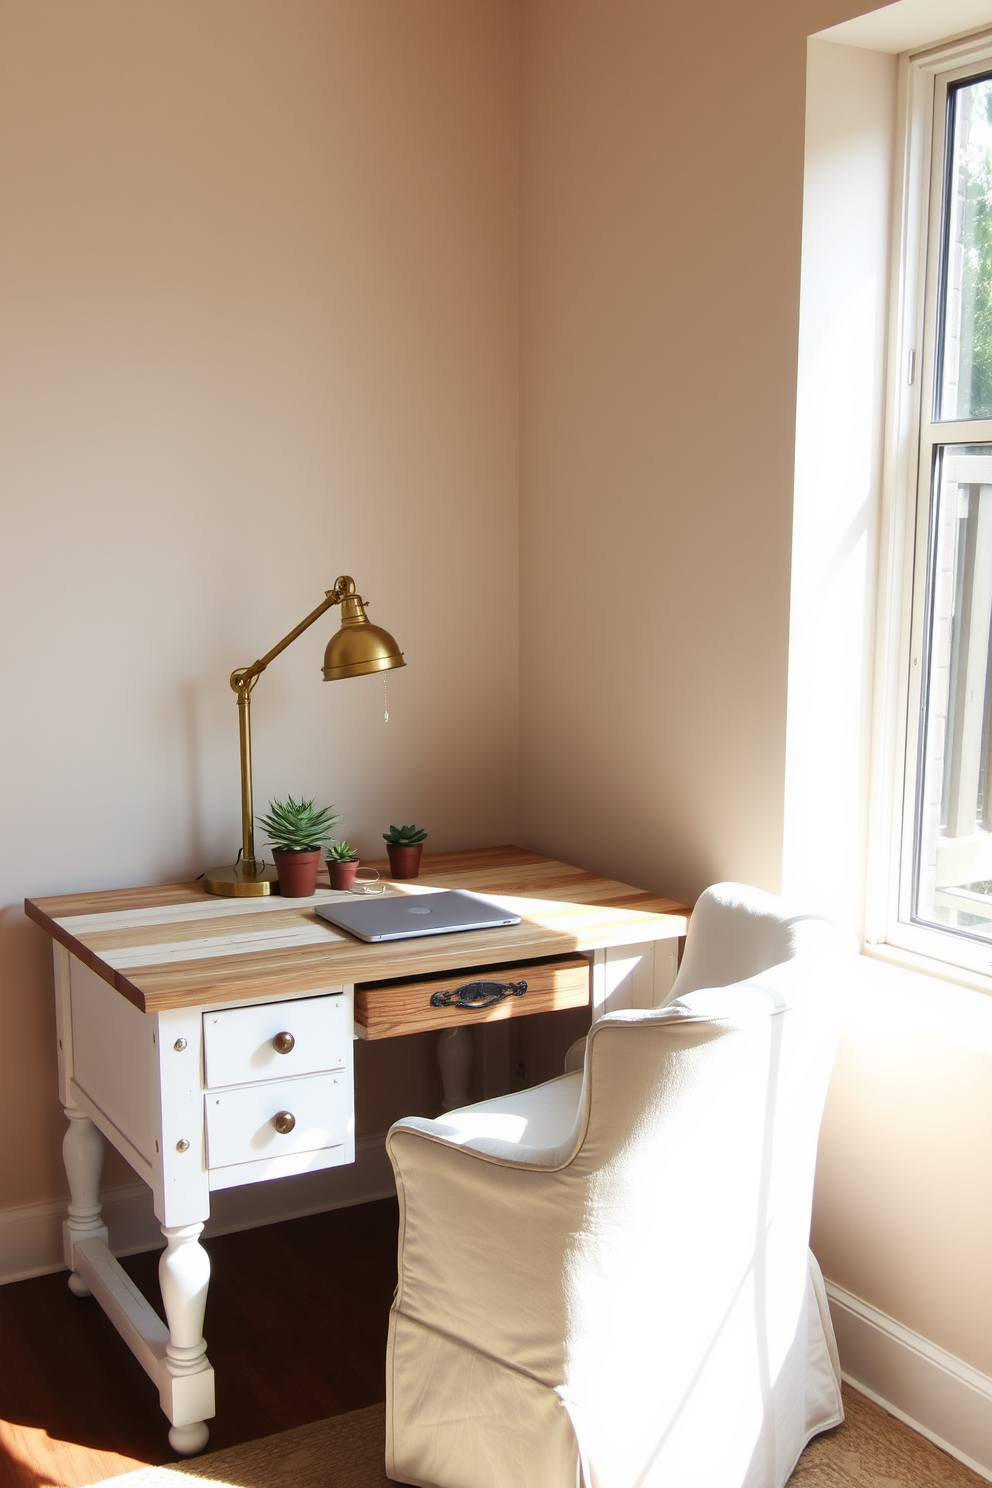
{"type": "Point", "coordinates": [284, 1121]}
{"type": "Point", "coordinates": [284, 1043]}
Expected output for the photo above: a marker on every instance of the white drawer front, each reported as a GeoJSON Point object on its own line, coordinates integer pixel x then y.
{"type": "Point", "coordinates": [240, 1125]}
{"type": "Point", "coordinates": [238, 1042]}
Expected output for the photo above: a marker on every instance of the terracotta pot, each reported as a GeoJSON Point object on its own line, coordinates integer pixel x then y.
{"type": "Point", "coordinates": [297, 872]}
{"type": "Point", "coordinates": [404, 859]}
{"type": "Point", "coordinates": [342, 872]}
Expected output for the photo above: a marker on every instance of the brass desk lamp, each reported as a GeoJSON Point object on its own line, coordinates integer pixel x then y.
{"type": "Point", "coordinates": [358, 648]}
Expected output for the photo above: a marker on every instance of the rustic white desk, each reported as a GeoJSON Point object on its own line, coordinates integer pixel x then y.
{"type": "Point", "coordinates": [210, 1041]}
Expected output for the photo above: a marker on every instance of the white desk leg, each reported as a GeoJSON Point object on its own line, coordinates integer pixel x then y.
{"type": "Point", "coordinates": [82, 1153]}
{"type": "Point", "coordinates": [454, 1055]}
{"type": "Point", "coordinates": [184, 1273]}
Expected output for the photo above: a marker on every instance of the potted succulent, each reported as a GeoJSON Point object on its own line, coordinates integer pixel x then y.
{"type": "Point", "coordinates": [342, 864]}
{"type": "Point", "coordinates": [404, 846]}
{"type": "Point", "coordinates": [297, 830]}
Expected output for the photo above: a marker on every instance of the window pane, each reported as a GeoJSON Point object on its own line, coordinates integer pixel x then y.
{"type": "Point", "coordinates": [965, 379]}
{"type": "Point", "coordinates": [954, 801]}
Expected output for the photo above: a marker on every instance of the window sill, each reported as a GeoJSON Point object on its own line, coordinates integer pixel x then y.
{"type": "Point", "coordinates": [944, 971]}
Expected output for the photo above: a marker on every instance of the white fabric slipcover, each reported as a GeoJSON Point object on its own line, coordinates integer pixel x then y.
{"type": "Point", "coordinates": [605, 1282]}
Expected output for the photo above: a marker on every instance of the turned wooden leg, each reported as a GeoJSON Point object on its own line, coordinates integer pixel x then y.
{"type": "Point", "coordinates": [454, 1055]}
{"type": "Point", "coordinates": [82, 1153]}
{"type": "Point", "coordinates": [184, 1273]}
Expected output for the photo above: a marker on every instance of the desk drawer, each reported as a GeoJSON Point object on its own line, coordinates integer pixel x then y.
{"type": "Point", "coordinates": [241, 1045]}
{"type": "Point", "coordinates": [241, 1123]}
{"type": "Point", "coordinates": [384, 1009]}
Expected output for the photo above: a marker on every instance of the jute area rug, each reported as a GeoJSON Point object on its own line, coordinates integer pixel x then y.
{"type": "Point", "coordinates": [871, 1450]}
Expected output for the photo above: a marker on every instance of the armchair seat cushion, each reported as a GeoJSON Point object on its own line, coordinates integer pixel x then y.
{"type": "Point", "coordinates": [536, 1126]}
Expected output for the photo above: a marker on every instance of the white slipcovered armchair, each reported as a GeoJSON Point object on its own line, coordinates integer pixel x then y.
{"type": "Point", "coordinates": [605, 1281]}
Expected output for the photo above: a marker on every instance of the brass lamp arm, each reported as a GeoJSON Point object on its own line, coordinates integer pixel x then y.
{"type": "Point", "coordinates": [358, 649]}
{"type": "Point", "coordinates": [244, 679]}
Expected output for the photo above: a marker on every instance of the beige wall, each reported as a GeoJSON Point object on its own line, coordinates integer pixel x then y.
{"type": "Point", "coordinates": [662, 211]}
{"type": "Point", "coordinates": [258, 298]}
{"type": "Point", "coordinates": [851, 102]}
{"type": "Point", "coordinates": [903, 1209]}
{"type": "Point", "coordinates": [258, 282]}
{"type": "Point", "coordinates": [662, 198]}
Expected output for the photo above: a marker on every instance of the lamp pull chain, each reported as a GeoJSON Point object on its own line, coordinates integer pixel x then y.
{"type": "Point", "coordinates": [385, 700]}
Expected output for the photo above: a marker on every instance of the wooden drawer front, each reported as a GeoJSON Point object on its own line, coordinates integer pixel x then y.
{"type": "Point", "coordinates": [238, 1047]}
{"type": "Point", "coordinates": [240, 1122]}
{"type": "Point", "coordinates": [383, 1009]}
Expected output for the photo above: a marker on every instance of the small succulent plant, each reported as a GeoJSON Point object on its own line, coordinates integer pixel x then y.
{"type": "Point", "coordinates": [341, 852]}
{"type": "Point", "coordinates": [297, 826]}
{"type": "Point", "coordinates": [404, 836]}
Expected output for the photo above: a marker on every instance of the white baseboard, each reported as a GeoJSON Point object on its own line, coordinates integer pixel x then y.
{"type": "Point", "coordinates": [31, 1234]}
{"type": "Point", "coordinates": [937, 1394]}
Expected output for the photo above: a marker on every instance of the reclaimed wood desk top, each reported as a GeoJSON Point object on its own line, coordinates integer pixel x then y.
{"type": "Point", "coordinates": [175, 945]}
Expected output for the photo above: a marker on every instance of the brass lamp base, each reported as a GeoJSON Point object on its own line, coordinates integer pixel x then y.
{"type": "Point", "coordinates": [236, 881]}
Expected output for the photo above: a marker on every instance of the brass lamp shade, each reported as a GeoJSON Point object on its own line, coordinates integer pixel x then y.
{"type": "Point", "coordinates": [359, 647]}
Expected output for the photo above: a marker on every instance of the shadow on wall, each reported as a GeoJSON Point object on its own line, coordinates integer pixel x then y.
{"type": "Point", "coordinates": [193, 748]}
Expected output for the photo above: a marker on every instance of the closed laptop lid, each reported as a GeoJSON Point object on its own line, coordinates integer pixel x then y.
{"type": "Point", "coordinates": [403, 916]}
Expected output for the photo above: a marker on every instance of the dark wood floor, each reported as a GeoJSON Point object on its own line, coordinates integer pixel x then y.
{"type": "Point", "coordinates": [295, 1327]}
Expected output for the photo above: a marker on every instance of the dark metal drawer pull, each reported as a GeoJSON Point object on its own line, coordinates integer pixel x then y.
{"type": "Point", "coordinates": [478, 994]}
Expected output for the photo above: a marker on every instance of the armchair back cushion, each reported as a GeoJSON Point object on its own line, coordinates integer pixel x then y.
{"type": "Point", "coordinates": [736, 931]}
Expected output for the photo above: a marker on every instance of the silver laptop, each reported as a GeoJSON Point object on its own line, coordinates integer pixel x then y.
{"type": "Point", "coordinates": [407, 915]}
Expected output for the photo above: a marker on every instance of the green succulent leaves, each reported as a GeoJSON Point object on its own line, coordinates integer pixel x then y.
{"type": "Point", "coordinates": [297, 826]}
{"type": "Point", "coordinates": [404, 836]}
{"type": "Point", "coordinates": [341, 852]}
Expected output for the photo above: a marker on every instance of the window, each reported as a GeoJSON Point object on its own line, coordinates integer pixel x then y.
{"type": "Point", "coordinates": [940, 897]}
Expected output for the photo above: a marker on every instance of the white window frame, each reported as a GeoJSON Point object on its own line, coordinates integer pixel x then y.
{"type": "Point", "coordinates": [911, 434]}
